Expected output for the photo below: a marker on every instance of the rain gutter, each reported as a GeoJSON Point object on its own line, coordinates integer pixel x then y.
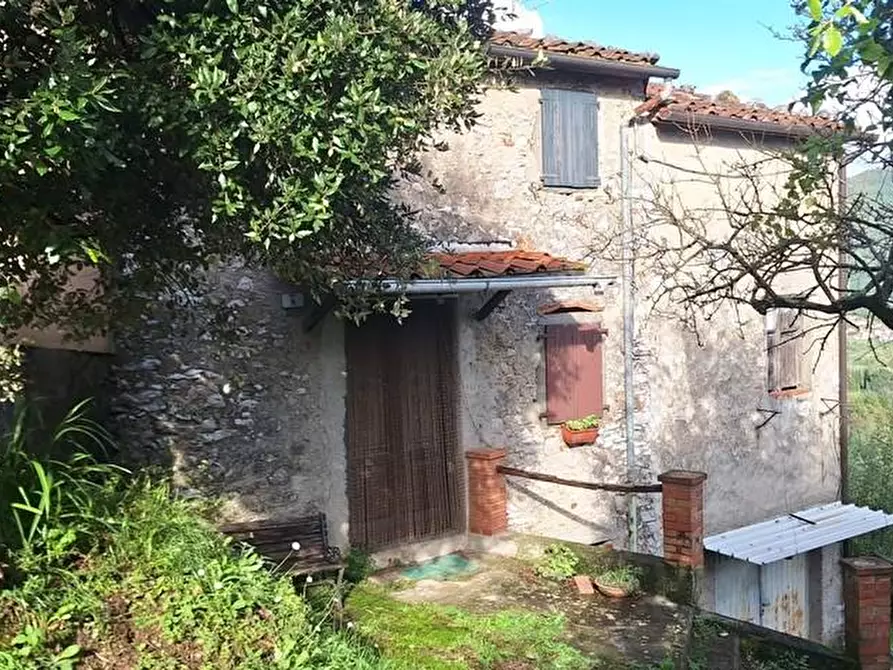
{"type": "Point", "coordinates": [585, 64]}
{"type": "Point", "coordinates": [479, 284]}
{"type": "Point", "coordinates": [628, 334]}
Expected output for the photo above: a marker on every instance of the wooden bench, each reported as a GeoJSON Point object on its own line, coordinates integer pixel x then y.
{"type": "Point", "coordinates": [277, 542]}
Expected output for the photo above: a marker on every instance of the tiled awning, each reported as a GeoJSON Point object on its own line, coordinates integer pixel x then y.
{"type": "Point", "coordinates": [513, 262]}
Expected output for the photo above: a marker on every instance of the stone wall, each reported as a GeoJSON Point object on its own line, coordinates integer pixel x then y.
{"type": "Point", "coordinates": [229, 393]}
{"type": "Point", "coordinates": [259, 418]}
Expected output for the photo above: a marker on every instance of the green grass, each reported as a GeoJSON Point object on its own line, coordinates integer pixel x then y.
{"type": "Point", "coordinates": [434, 637]}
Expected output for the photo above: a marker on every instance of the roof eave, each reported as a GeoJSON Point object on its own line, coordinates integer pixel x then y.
{"type": "Point", "coordinates": [687, 121]}
{"type": "Point", "coordinates": [533, 281]}
{"type": "Point", "coordinates": [585, 64]}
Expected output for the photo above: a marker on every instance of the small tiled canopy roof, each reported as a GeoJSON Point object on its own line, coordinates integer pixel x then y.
{"type": "Point", "coordinates": [501, 263]}
{"type": "Point", "coordinates": [687, 101]}
{"type": "Point", "coordinates": [581, 49]}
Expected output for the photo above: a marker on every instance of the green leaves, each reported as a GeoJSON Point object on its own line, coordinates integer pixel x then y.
{"type": "Point", "coordinates": [815, 9]}
{"type": "Point", "coordinates": [832, 40]}
{"type": "Point", "coordinates": [274, 129]}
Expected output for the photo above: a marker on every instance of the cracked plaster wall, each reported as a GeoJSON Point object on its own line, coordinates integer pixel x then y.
{"type": "Point", "coordinates": [696, 402]}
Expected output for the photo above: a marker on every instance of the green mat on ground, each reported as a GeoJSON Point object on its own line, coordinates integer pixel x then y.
{"type": "Point", "coordinates": [444, 567]}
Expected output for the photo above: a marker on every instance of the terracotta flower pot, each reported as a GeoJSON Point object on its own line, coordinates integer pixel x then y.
{"type": "Point", "coordinates": [578, 438]}
{"type": "Point", "coordinates": [611, 590]}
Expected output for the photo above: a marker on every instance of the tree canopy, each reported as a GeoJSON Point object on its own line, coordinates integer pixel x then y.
{"type": "Point", "coordinates": [144, 138]}
{"type": "Point", "coordinates": [793, 239]}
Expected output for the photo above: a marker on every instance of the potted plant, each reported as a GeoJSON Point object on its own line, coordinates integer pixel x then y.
{"type": "Point", "coordinates": [618, 582]}
{"type": "Point", "coordinates": [579, 432]}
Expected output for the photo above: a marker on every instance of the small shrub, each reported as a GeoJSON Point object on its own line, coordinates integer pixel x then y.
{"type": "Point", "coordinates": [586, 423]}
{"type": "Point", "coordinates": [558, 563]}
{"type": "Point", "coordinates": [359, 566]}
{"type": "Point", "coordinates": [626, 577]}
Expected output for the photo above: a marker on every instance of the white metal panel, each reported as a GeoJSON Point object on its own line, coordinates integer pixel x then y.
{"type": "Point", "coordinates": [793, 534]}
{"type": "Point", "coordinates": [784, 598]}
{"type": "Point", "coordinates": [736, 588]}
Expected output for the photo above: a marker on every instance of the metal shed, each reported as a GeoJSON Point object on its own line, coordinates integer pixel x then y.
{"type": "Point", "coordinates": [783, 573]}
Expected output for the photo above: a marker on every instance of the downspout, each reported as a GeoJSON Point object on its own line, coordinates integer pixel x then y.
{"type": "Point", "coordinates": [842, 357]}
{"type": "Point", "coordinates": [628, 334]}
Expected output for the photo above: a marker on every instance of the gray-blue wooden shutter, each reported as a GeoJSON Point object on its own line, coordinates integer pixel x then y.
{"type": "Point", "coordinates": [570, 138]}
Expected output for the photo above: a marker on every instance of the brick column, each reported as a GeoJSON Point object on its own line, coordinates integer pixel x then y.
{"type": "Point", "coordinates": [487, 514]}
{"type": "Point", "coordinates": [683, 517]}
{"type": "Point", "coordinates": [866, 597]}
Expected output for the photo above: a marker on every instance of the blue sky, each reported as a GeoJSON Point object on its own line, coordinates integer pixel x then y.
{"type": "Point", "coordinates": [718, 44]}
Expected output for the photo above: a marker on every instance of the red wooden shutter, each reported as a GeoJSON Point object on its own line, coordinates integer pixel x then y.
{"type": "Point", "coordinates": [574, 386]}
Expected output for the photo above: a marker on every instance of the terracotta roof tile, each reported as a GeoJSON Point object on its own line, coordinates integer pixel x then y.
{"type": "Point", "coordinates": [502, 263]}
{"type": "Point", "coordinates": [581, 49]}
{"type": "Point", "coordinates": [688, 101]}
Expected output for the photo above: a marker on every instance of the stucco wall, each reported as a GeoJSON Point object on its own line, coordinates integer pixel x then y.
{"type": "Point", "coordinates": [699, 401]}
{"type": "Point", "coordinates": [238, 401]}
{"type": "Point", "coordinates": [713, 388]}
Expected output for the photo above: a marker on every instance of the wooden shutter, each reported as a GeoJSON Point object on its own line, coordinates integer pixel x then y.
{"type": "Point", "coordinates": [569, 138]}
{"type": "Point", "coordinates": [789, 341]}
{"type": "Point", "coordinates": [574, 383]}
{"type": "Point", "coordinates": [784, 347]}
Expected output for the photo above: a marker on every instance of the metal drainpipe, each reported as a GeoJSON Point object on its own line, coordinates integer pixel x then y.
{"type": "Point", "coordinates": [628, 334]}
{"type": "Point", "coordinates": [842, 372]}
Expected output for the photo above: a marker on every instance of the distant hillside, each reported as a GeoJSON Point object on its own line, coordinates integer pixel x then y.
{"type": "Point", "coordinates": [874, 183]}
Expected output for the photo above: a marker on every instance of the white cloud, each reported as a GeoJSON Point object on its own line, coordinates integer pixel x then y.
{"type": "Point", "coordinates": [513, 15]}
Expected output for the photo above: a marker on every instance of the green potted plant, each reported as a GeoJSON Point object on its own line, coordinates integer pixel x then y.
{"type": "Point", "coordinates": [580, 432]}
{"type": "Point", "coordinates": [620, 581]}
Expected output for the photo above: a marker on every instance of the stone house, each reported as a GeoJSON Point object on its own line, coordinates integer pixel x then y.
{"type": "Point", "coordinates": [539, 316]}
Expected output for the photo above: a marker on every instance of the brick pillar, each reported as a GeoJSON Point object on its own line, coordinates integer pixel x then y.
{"type": "Point", "coordinates": [866, 597]}
{"type": "Point", "coordinates": [683, 517]}
{"type": "Point", "coordinates": [487, 514]}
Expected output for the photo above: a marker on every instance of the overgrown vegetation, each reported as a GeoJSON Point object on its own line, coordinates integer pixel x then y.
{"type": "Point", "coordinates": [447, 638]}
{"type": "Point", "coordinates": [871, 437]}
{"type": "Point", "coordinates": [558, 562]}
{"type": "Point", "coordinates": [142, 139]}
{"type": "Point", "coordinates": [109, 572]}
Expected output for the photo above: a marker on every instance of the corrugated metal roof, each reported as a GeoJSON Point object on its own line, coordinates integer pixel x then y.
{"type": "Point", "coordinates": [794, 534]}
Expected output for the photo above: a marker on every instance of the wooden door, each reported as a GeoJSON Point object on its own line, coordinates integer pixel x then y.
{"type": "Point", "coordinates": [403, 458]}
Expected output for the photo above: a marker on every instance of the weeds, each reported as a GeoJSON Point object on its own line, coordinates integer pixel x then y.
{"type": "Point", "coordinates": [447, 638]}
{"type": "Point", "coordinates": [559, 562]}
{"type": "Point", "coordinates": [53, 507]}
{"type": "Point", "coordinates": [359, 566]}
{"type": "Point", "coordinates": [113, 572]}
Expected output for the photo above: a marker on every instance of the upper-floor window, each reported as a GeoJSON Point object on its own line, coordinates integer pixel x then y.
{"type": "Point", "coordinates": [784, 346]}
{"type": "Point", "coordinates": [569, 138]}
